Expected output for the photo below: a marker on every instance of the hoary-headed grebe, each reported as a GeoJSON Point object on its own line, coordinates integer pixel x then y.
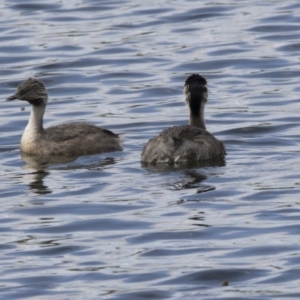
{"type": "Point", "coordinates": [186, 143]}
{"type": "Point", "coordinates": [72, 139]}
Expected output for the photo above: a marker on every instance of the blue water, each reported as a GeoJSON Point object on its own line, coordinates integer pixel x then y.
{"type": "Point", "coordinates": [107, 227]}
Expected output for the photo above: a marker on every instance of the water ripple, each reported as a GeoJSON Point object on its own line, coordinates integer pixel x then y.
{"type": "Point", "coordinates": [108, 227]}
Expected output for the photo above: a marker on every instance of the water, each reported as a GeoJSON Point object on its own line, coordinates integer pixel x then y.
{"type": "Point", "coordinates": [106, 227]}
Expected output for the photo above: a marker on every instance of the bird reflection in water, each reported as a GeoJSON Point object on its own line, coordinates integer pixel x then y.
{"type": "Point", "coordinates": [160, 168]}
{"type": "Point", "coordinates": [37, 185]}
{"type": "Point", "coordinates": [42, 166]}
{"type": "Point", "coordinates": [193, 174]}
{"type": "Point", "coordinates": [39, 163]}
{"type": "Point", "coordinates": [193, 180]}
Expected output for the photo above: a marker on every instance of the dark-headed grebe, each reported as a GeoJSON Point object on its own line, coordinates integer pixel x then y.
{"type": "Point", "coordinates": [72, 139]}
{"type": "Point", "coordinates": [186, 143]}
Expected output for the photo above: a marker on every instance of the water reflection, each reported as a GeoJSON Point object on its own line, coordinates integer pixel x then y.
{"type": "Point", "coordinates": [160, 168]}
{"type": "Point", "coordinates": [99, 165]}
{"type": "Point", "coordinates": [193, 174]}
{"type": "Point", "coordinates": [37, 184]}
{"type": "Point", "coordinates": [40, 163]}
{"type": "Point", "coordinates": [193, 180]}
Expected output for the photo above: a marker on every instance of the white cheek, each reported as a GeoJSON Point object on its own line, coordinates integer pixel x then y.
{"type": "Point", "coordinates": [187, 97]}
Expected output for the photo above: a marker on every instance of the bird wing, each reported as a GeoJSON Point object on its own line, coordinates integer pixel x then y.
{"type": "Point", "coordinates": [185, 132]}
{"type": "Point", "coordinates": [182, 143]}
{"type": "Point", "coordinates": [75, 130]}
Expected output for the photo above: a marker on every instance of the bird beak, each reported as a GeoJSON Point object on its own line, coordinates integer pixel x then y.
{"type": "Point", "coordinates": [13, 97]}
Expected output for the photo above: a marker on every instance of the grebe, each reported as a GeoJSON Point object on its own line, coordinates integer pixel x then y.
{"type": "Point", "coordinates": [186, 143]}
{"type": "Point", "coordinates": [72, 139]}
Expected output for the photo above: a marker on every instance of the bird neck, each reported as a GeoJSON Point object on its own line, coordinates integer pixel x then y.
{"type": "Point", "coordinates": [35, 123]}
{"type": "Point", "coordinates": [196, 102]}
{"type": "Point", "coordinates": [197, 119]}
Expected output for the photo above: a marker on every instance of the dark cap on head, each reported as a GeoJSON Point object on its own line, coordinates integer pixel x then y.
{"type": "Point", "coordinates": [30, 90]}
{"type": "Point", "coordinates": [195, 90]}
{"type": "Point", "coordinates": [195, 79]}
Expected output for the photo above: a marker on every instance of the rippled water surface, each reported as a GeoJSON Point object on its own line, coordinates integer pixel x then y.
{"type": "Point", "coordinates": [107, 227]}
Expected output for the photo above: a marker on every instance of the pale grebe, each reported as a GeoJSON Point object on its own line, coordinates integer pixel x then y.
{"type": "Point", "coordinates": [186, 143]}
{"type": "Point", "coordinates": [72, 139]}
